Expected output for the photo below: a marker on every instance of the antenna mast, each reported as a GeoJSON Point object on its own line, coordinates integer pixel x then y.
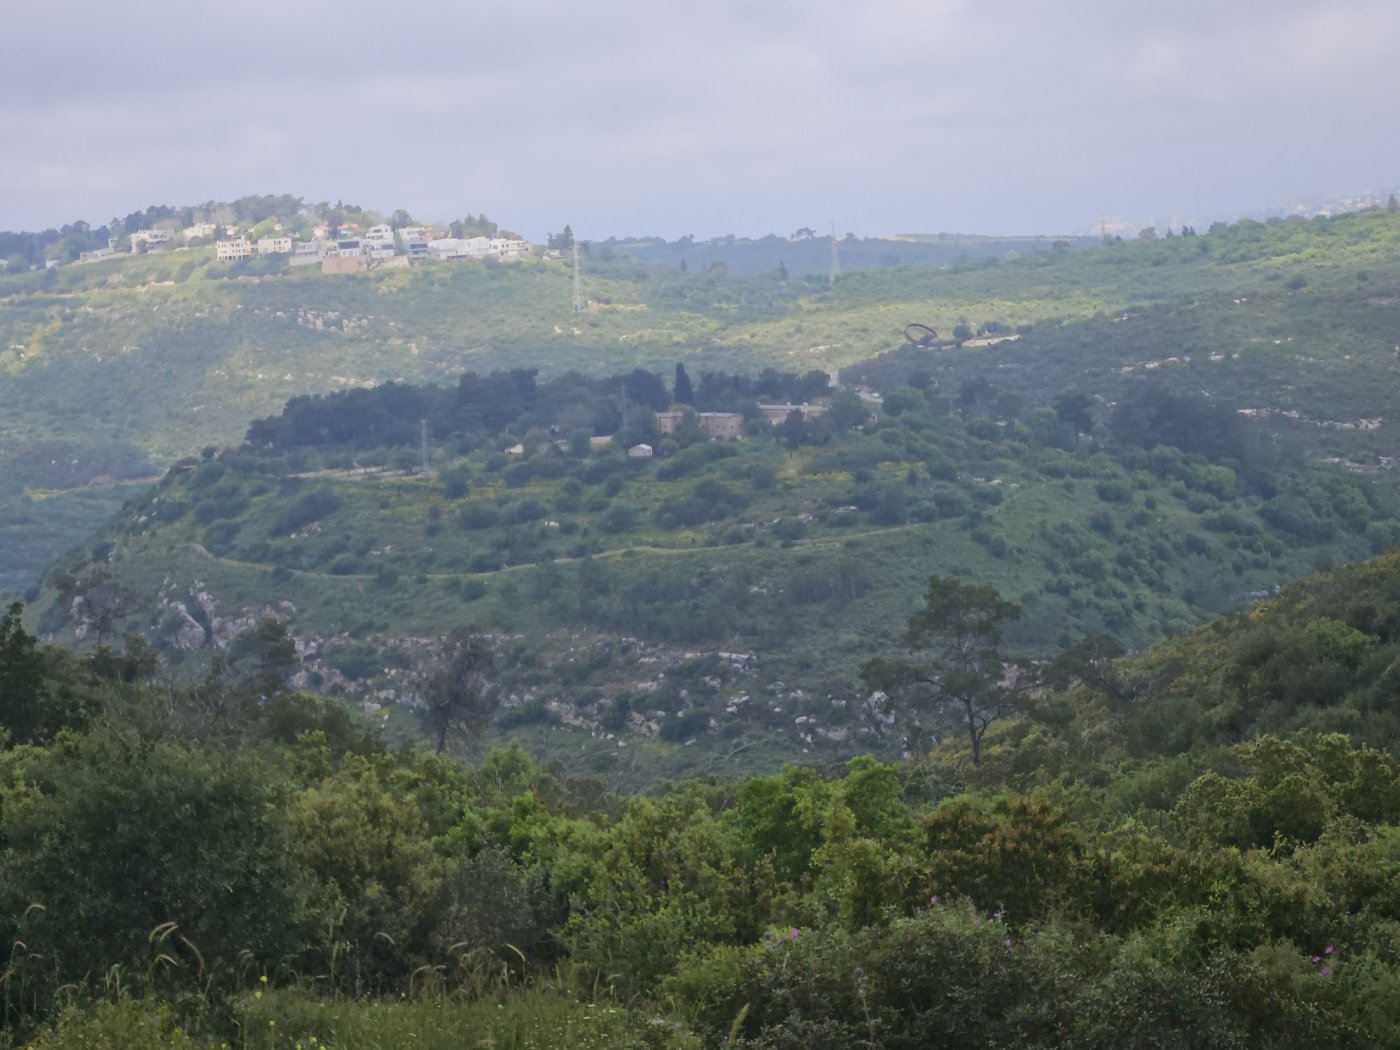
{"type": "Point", "coordinates": [578, 287]}
{"type": "Point", "coordinates": [835, 262]}
{"type": "Point", "coordinates": [423, 434]}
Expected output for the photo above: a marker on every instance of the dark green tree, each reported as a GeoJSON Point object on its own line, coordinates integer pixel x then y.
{"type": "Point", "coordinates": [644, 388]}
{"type": "Point", "coordinates": [456, 699]}
{"type": "Point", "coordinates": [684, 392]}
{"type": "Point", "coordinates": [792, 429]}
{"type": "Point", "coordinates": [957, 665]}
{"type": "Point", "coordinates": [1075, 409]}
{"type": "Point", "coordinates": [136, 849]}
{"type": "Point", "coordinates": [29, 709]}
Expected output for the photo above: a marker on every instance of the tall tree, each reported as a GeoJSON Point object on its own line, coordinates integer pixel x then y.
{"type": "Point", "coordinates": [456, 701]}
{"type": "Point", "coordinates": [956, 665]}
{"type": "Point", "coordinates": [684, 392]}
{"type": "Point", "coordinates": [24, 689]}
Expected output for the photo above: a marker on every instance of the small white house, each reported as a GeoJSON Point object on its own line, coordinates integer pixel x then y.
{"type": "Point", "coordinates": [640, 452]}
{"type": "Point", "coordinates": [379, 236]}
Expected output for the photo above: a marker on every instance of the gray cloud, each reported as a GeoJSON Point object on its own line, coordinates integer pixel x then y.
{"type": "Point", "coordinates": [662, 117]}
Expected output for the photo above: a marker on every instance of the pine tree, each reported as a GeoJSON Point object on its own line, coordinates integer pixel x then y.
{"type": "Point", "coordinates": [684, 392]}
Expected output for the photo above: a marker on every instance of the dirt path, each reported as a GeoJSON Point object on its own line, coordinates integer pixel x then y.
{"type": "Point", "coordinates": [817, 543]}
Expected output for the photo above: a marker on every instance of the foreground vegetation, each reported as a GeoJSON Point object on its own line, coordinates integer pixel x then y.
{"type": "Point", "coordinates": [1191, 847]}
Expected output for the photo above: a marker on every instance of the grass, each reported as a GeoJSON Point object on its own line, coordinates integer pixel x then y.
{"type": "Point", "coordinates": [541, 1018]}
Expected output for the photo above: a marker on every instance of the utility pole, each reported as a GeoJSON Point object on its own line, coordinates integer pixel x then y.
{"type": "Point", "coordinates": [423, 434]}
{"type": "Point", "coordinates": [835, 261]}
{"type": "Point", "coordinates": [578, 287]}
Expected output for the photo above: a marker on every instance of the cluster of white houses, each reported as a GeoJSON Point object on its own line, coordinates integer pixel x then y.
{"type": "Point", "coordinates": [379, 247]}
{"type": "Point", "coordinates": [147, 239]}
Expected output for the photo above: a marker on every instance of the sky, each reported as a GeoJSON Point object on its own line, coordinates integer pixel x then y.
{"type": "Point", "coordinates": [657, 117]}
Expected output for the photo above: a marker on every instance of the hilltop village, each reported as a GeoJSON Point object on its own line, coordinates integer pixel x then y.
{"type": "Point", "coordinates": [334, 248]}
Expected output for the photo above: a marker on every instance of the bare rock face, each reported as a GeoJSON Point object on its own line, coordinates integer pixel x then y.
{"type": "Point", "coordinates": [190, 634]}
{"type": "Point", "coordinates": [78, 611]}
{"type": "Point", "coordinates": [227, 628]}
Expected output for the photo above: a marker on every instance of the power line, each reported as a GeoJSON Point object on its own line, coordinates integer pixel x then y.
{"type": "Point", "coordinates": [578, 286]}
{"type": "Point", "coordinates": [835, 260]}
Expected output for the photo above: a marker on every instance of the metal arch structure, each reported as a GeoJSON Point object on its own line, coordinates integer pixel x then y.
{"type": "Point", "coordinates": [920, 335]}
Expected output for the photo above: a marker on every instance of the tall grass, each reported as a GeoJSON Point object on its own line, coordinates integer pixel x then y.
{"type": "Point", "coordinates": [536, 1019]}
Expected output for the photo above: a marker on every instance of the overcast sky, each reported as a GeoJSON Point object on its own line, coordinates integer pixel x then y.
{"type": "Point", "coordinates": [729, 116]}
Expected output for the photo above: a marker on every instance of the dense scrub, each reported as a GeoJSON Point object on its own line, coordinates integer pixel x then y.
{"type": "Point", "coordinates": [233, 860]}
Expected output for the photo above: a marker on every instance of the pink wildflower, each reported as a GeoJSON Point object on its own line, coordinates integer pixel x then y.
{"type": "Point", "coordinates": [1328, 950]}
{"type": "Point", "coordinates": [1326, 971]}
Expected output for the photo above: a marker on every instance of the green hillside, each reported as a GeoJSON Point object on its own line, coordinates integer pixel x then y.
{"type": "Point", "coordinates": [140, 360]}
{"type": "Point", "coordinates": [722, 595]}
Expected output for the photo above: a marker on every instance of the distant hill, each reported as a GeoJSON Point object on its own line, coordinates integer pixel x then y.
{"type": "Point", "coordinates": [807, 253]}
{"type": "Point", "coordinates": [1311, 207]}
{"type": "Point", "coordinates": [141, 360]}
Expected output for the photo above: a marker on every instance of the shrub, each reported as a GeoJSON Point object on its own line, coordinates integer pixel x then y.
{"type": "Point", "coordinates": [310, 506]}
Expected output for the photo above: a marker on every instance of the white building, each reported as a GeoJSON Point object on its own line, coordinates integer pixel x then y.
{"type": "Point", "coordinates": [238, 248]}
{"type": "Point", "coordinates": [379, 237]}
{"type": "Point", "coordinates": [507, 248]}
{"type": "Point", "coordinates": [447, 248]}
{"type": "Point", "coordinates": [306, 253]}
{"type": "Point", "coordinates": [476, 248]}
{"type": "Point", "coordinates": [275, 246]}
{"type": "Point", "coordinates": [199, 229]}
{"type": "Point", "coordinates": [416, 246]}
{"type": "Point", "coordinates": [151, 237]}
{"type": "Point", "coordinates": [348, 249]}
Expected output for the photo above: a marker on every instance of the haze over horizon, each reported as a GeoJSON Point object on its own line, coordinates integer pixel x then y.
{"type": "Point", "coordinates": [628, 118]}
